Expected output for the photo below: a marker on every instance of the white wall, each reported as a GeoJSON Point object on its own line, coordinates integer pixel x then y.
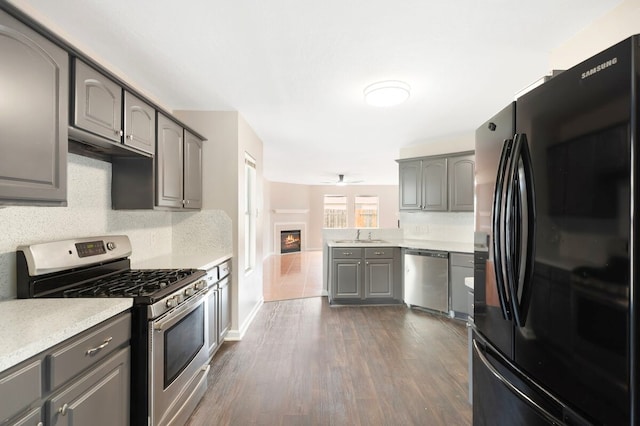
{"type": "Point", "coordinates": [620, 23]}
{"type": "Point", "coordinates": [228, 138]}
{"type": "Point", "coordinates": [88, 213]}
{"type": "Point", "coordinates": [250, 294]}
{"type": "Point", "coordinates": [445, 145]}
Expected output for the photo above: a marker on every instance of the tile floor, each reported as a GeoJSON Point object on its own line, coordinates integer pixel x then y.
{"type": "Point", "coordinates": [292, 276]}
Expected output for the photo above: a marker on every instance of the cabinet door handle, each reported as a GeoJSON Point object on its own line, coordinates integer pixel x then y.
{"type": "Point", "coordinates": [63, 410]}
{"type": "Point", "coordinates": [118, 132]}
{"type": "Point", "coordinates": [347, 253]}
{"type": "Point", "coordinates": [97, 348]}
{"type": "Point", "coordinates": [378, 253]}
{"type": "Point", "coordinates": [471, 262]}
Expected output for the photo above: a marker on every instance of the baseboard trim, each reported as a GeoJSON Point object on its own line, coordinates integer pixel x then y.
{"type": "Point", "coordinates": [237, 335]}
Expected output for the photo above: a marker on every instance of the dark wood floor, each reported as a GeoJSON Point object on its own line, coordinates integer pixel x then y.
{"type": "Point", "coordinates": [305, 363]}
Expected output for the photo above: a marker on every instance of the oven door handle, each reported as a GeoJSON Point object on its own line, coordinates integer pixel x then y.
{"type": "Point", "coordinates": [181, 310]}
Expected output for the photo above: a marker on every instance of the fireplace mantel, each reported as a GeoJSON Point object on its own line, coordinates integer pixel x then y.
{"type": "Point", "coordinates": [291, 211]}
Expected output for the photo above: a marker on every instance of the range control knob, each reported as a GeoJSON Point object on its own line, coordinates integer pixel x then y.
{"type": "Point", "coordinates": [200, 285]}
{"type": "Point", "coordinates": [171, 302]}
{"type": "Point", "coordinates": [111, 245]}
{"type": "Point", "coordinates": [188, 292]}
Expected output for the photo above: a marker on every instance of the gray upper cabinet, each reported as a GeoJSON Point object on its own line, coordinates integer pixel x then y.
{"type": "Point", "coordinates": [192, 171]}
{"type": "Point", "coordinates": [461, 183]}
{"type": "Point", "coordinates": [139, 124]}
{"type": "Point", "coordinates": [438, 183]}
{"type": "Point", "coordinates": [434, 184]}
{"type": "Point", "coordinates": [169, 163]}
{"type": "Point", "coordinates": [98, 103]}
{"type": "Point", "coordinates": [410, 188]}
{"type": "Point", "coordinates": [34, 116]}
{"type": "Point", "coordinates": [178, 166]}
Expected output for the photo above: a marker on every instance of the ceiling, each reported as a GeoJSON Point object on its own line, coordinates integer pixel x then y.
{"type": "Point", "coordinates": [296, 69]}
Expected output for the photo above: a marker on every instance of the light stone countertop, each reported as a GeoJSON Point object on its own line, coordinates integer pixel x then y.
{"type": "Point", "coordinates": [30, 326]}
{"type": "Point", "coordinates": [204, 261]}
{"type": "Point", "coordinates": [410, 244]}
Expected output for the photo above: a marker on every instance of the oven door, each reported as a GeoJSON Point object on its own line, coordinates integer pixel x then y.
{"type": "Point", "coordinates": [178, 362]}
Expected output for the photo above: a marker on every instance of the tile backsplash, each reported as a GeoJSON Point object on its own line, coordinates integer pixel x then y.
{"type": "Point", "coordinates": [437, 226]}
{"type": "Point", "coordinates": [89, 213]}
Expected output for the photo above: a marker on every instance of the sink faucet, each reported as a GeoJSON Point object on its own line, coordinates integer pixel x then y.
{"type": "Point", "coordinates": [358, 235]}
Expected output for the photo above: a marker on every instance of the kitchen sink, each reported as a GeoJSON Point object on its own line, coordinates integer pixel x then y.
{"type": "Point", "coordinates": [359, 241]}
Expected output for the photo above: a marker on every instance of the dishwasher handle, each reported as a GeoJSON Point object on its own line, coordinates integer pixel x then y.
{"type": "Point", "coordinates": [428, 253]}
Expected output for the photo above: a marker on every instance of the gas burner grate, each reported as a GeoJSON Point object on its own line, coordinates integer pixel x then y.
{"type": "Point", "coordinates": [131, 283]}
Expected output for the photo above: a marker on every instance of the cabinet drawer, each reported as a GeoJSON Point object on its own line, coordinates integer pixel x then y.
{"type": "Point", "coordinates": [34, 417]}
{"type": "Point", "coordinates": [459, 259]}
{"type": "Point", "coordinates": [346, 253]}
{"type": "Point", "coordinates": [378, 253]}
{"type": "Point", "coordinates": [98, 398]}
{"type": "Point", "coordinates": [19, 389]}
{"type": "Point", "coordinates": [73, 358]}
{"type": "Point", "coordinates": [224, 269]}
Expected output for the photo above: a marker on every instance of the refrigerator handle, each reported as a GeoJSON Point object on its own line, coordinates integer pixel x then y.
{"type": "Point", "coordinates": [527, 223]}
{"type": "Point", "coordinates": [517, 392]}
{"type": "Point", "coordinates": [499, 231]}
{"type": "Point", "coordinates": [520, 218]}
{"type": "Point", "coordinates": [512, 224]}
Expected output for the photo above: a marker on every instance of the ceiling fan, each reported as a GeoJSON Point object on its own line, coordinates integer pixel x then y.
{"type": "Point", "coordinates": [342, 182]}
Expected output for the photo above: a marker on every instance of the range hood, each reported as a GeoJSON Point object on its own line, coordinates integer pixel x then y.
{"type": "Point", "coordinates": [82, 142]}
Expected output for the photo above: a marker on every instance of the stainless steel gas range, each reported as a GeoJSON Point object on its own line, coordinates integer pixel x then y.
{"type": "Point", "coordinates": [169, 351]}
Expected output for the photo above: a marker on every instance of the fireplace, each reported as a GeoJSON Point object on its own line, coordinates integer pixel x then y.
{"type": "Point", "coordinates": [290, 241]}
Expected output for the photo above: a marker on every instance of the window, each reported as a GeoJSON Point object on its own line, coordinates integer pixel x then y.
{"type": "Point", "coordinates": [366, 211]}
{"type": "Point", "coordinates": [335, 211]}
{"type": "Point", "coordinates": [249, 212]}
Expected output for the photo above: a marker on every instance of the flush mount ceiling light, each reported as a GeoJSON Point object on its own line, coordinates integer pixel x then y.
{"type": "Point", "coordinates": [386, 93]}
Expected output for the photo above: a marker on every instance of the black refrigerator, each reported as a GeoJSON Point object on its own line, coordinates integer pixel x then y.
{"type": "Point", "coordinates": [556, 250]}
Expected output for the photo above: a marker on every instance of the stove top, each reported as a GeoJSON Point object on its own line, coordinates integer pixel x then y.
{"type": "Point", "coordinates": [98, 267]}
{"type": "Point", "coordinates": [133, 283]}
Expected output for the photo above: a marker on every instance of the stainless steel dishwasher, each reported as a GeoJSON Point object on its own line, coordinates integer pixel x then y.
{"type": "Point", "coordinates": [426, 279]}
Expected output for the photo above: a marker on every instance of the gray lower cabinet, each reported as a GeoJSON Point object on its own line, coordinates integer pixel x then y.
{"type": "Point", "coordinates": [218, 305]}
{"type": "Point", "coordinates": [178, 166]}
{"type": "Point", "coordinates": [347, 279]}
{"type": "Point", "coordinates": [99, 398]}
{"type": "Point", "coordinates": [34, 117]}
{"type": "Point", "coordinates": [33, 418]}
{"type": "Point", "coordinates": [379, 273]}
{"type": "Point", "coordinates": [212, 319]}
{"type": "Point", "coordinates": [20, 390]}
{"type": "Point", "coordinates": [84, 380]}
{"type": "Point", "coordinates": [460, 267]}
{"type": "Point", "coordinates": [365, 275]}
{"type": "Point", "coordinates": [224, 308]}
